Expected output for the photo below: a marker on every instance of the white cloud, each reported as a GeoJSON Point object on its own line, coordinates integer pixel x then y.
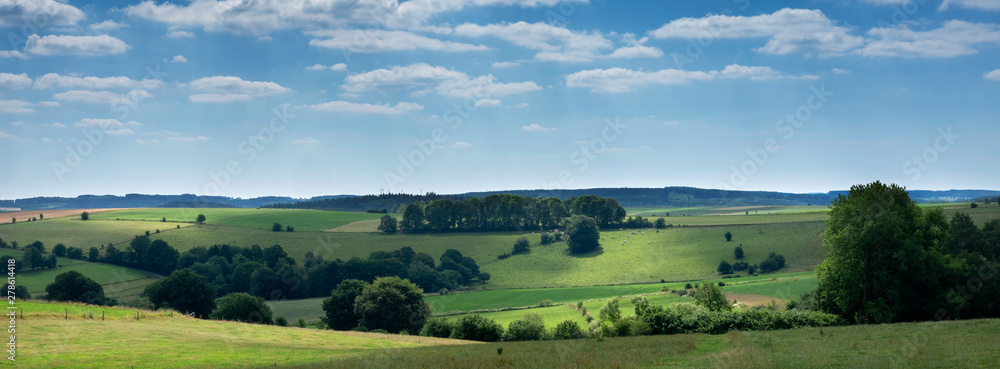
{"type": "Point", "coordinates": [415, 12]}
{"type": "Point", "coordinates": [179, 34]}
{"type": "Point", "coordinates": [954, 38]}
{"type": "Point", "coordinates": [887, 2]}
{"type": "Point", "coordinates": [421, 78]}
{"type": "Point", "coordinates": [373, 40]}
{"type": "Point", "coordinates": [488, 103]}
{"type": "Point", "coordinates": [308, 141]}
{"type": "Point", "coordinates": [105, 124]}
{"type": "Point", "coordinates": [57, 125]}
{"type": "Point", "coordinates": [505, 64]}
{"type": "Point", "coordinates": [802, 31]}
{"type": "Point", "coordinates": [54, 80]}
{"type": "Point", "coordinates": [637, 51]}
{"type": "Point", "coordinates": [671, 122]}
{"type": "Point", "coordinates": [224, 89]}
{"type": "Point", "coordinates": [840, 71]}
{"type": "Point", "coordinates": [75, 45]}
{"type": "Point", "coordinates": [48, 103]}
{"type": "Point", "coordinates": [188, 139]}
{"type": "Point", "coordinates": [18, 123]}
{"type": "Point", "coordinates": [7, 135]}
{"type": "Point", "coordinates": [11, 81]}
{"type": "Point", "coordinates": [28, 13]}
{"type": "Point", "coordinates": [179, 59]}
{"type": "Point", "coordinates": [15, 106]}
{"type": "Point", "coordinates": [100, 97]}
{"type": "Point", "coordinates": [993, 75]}
{"type": "Point", "coordinates": [108, 25]}
{"type": "Point", "coordinates": [339, 67]}
{"type": "Point", "coordinates": [536, 128]}
{"type": "Point", "coordinates": [460, 145]}
{"type": "Point", "coordinates": [346, 106]}
{"type": "Point", "coordinates": [991, 5]}
{"type": "Point", "coordinates": [12, 54]}
{"type": "Point", "coordinates": [615, 80]}
{"type": "Point", "coordinates": [551, 43]}
{"type": "Point", "coordinates": [144, 142]}
{"type": "Point", "coordinates": [522, 105]}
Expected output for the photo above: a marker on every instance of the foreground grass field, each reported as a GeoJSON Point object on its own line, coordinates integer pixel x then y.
{"type": "Point", "coordinates": [47, 340]}
{"type": "Point", "coordinates": [948, 344]}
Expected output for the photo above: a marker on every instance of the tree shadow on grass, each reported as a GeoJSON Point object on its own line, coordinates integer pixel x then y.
{"type": "Point", "coordinates": [584, 255]}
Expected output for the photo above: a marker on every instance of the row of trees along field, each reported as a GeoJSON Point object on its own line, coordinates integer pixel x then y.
{"type": "Point", "coordinates": [504, 213]}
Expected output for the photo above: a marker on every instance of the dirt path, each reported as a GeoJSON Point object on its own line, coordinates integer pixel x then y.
{"type": "Point", "coordinates": [49, 214]}
{"type": "Point", "coordinates": [754, 300]}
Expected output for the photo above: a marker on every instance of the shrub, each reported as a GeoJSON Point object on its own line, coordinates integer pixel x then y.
{"type": "Point", "coordinates": [738, 252]}
{"type": "Point", "coordinates": [973, 205]}
{"type": "Point", "coordinates": [661, 223]}
{"type": "Point", "coordinates": [243, 307]}
{"type": "Point", "coordinates": [546, 303]}
{"type": "Point", "coordinates": [725, 268]}
{"type": "Point", "coordinates": [84, 216]}
{"type": "Point", "coordinates": [567, 329]}
{"type": "Point", "coordinates": [773, 263]}
{"type": "Point", "coordinates": [437, 327]}
{"type": "Point", "coordinates": [687, 285]}
{"type": "Point", "coordinates": [276, 227]}
{"type": "Point", "coordinates": [302, 323]}
{"type": "Point", "coordinates": [528, 329]}
{"type": "Point", "coordinates": [475, 327]}
{"type": "Point", "coordinates": [546, 238]}
{"type": "Point", "coordinates": [281, 321]}
{"type": "Point", "coordinates": [521, 245]}
{"type": "Point", "coordinates": [729, 236]}
{"type": "Point", "coordinates": [740, 266]}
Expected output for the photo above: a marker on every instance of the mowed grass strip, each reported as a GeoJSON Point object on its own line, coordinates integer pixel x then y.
{"type": "Point", "coordinates": [181, 342]}
{"type": "Point", "coordinates": [947, 344]}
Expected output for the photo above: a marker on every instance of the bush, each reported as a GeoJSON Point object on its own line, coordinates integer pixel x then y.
{"type": "Point", "coordinates": [84, 216]}
{"type": "Point", "coordinates": [973, 205]}
{"type": "Point", "coordinates": [661, 223]}
{"type": "Point", "coordinates": [546, 303]}
{"type": "Point", "coordinates": [521, 245]}
{"type": "Point", "coordinates": [528, 329]}
{"type": "Point", "coordinates": [475, 327]}
{"type": "Point", "coordinates": [773, 263]}
{"type": "Point", "coordinates": [243, 307]}
{"type": "Point", "coordinates": [301, 323]}
{"type": "Point", "coordinates": [567, 329]}
{"type": "Point", "coordinates": [437, 327]}
{"type": "Point", "coordinates": [724, 268]}
{"type": "Point", "coordinates": [729, 236]}
{"type": "Point", "coordinates": [276, 227]}
{"type": "Point", "coordinates": [688, 318]}
{"type": "Point", "coordinates": [73, 286]}
{"type": "Point", "coordinates": [740, 266]}
{"type": "Point", "coordinates": [281, 321]}
{"type": "Point", "coordinates": [546, 238]}
{"type": "Point", "coordinates": [687, 285]}
{"type": "Point", "coordinates": [738, 252]}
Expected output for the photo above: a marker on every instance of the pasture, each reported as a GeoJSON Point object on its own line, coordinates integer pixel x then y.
{"type": "Point", "coordinates": [47, 340]}
{"type": "Point", "coordinates": [117, 281]}
{"type": "Point", "coordinates": [946, 344]}
{"type": "Point", "coordinates": [301, 220]}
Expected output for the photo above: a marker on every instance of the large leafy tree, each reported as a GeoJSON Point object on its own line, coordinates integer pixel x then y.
{"type": "Point", "coordinates": [388, 224]}
{"type": "Point", "coordinates": [184, 291]}
{"type": "Point", "coordinates": [339, 307]}
{"type": "Point", "coordinates": [73, 286]}
{"type": "Point", "coordinates": [883, 264]}
{"type": "Point", "coordinates": [242, 307]}
{"type": "Point", "coordinates": [392, 304]}
{"type": "Point", "coordinates": [583, 234]}
{"type": "Point", "coordinates": [413, 217]}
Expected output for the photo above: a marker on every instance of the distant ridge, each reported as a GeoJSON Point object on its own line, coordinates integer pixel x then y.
{"type": "Point", "coordinates": [628, 197]}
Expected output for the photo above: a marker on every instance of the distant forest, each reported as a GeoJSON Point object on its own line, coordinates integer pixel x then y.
{"type": "Point", "coordinates": [627, 197]}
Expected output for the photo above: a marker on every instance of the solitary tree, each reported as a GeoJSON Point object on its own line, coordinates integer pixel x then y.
{"type": "Point", "coordinates": [84, 216]}
{"type": "Point", "coordinates": [276, 227]}
{"type": "Point", "coordinates": [583, 234]}
{"type": "Point", "coordinates": [881, 267]}
{"type": "Point", "coordinates": [521, 245]}
{"type": "Point", "coordinates": [710, 296]}
{"type": "Point", "coordinates": [661, 223]}
{"type": "Point", "coordinates": [738, 252]}
{"type": "Point", "coordinates": [388, 224]}
{"type": "Point", "coordinates": [392, 304]}
{"type": "Point", "coordinates": [41, 216]}
{"type": "Point", "coordinates": [184, 291]}
{"type": "Point", "coordinates": [242, 307]}
{"type": "Point", "coordinates": [729, 236]}
{"type": "Point", "coordinates": [200, 219]}
{"type": "Point", "coordinates": [73, 286]}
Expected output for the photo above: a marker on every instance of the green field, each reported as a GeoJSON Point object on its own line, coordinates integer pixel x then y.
{"type": "Point", "coordinates": [301, 220]}
{"type": "Point", "coordinates": [117, 281]}
{"type": "Point", "coordinates": [948, 344]}
{"type": "Point", "coordinates": [551, 316]}
{"type": "Point", "coordinates": [309, 309]}
{"type": "Point", "coordinates": [74, 232]}
{"type": "Point", "coordinates": [47, 340]}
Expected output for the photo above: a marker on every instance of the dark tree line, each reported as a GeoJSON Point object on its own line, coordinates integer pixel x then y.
{"type": "Point", "coordinates": [506, 212]}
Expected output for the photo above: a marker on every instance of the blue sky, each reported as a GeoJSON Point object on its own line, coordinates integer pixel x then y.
{"type": "Point", "coordinates": [267, 97]}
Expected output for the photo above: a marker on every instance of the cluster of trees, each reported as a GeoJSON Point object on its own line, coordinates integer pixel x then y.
{"type": "Point", "coordinates": [892, 261]}
{"type": "Point", "coordinates": [772, 263]}
{"type": "Point", "coordinates": [505, 213]}
{"type": "Point", "coordinates": [35, 256]}
{"type": "Point", "coordinates": [389, 304]}
{"type": "Point", "coordinates": [277, 227]}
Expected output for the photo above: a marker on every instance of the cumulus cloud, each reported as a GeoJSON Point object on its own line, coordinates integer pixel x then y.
{"type": "Point", "coordinates": [788, 31]}
{"type": "Point", "coordinates": [488, 103]}
{"type": "Point", "coordinates": [372, 40]}
{"type": "Point", "coordinates": [551, 43]}
{"type": "Point", "coordinates": [616, 80]}
{"type": "Point", "coordinates": [224, 89]}
{"type": "Point", "coordinates": [993, 75]}
{"type": "Point", "coordinates": [55, 80]}
{"type": "Point", "coordinates": [346, 106]}
{"type": "Point", "coordinates": [536, 128]}
{"type": "Point", "coordinates": [101, 97]}
{"type": "Point", "coordinates": [179, 34]}
{"type": "Point", "coordinates": [16, 106]}
{"type": "Point", "coordinates": [179, 59]}
{"type": "Point", "coordinates": [75, 45]}
{"type": "Point", "coordinates": [105, 26]}
{"type": "Point", "coordinates": [26, 13]}
{"type": "Point", "coordinates": [7, 136]}
{"type": "Point", "coordinates": [954, 38]}
{"type": "Point", "coordinates": [339, 67]}
{"type": "Point", "coordinates": [11, 81]}
{"type": "Point", "coordinates": [421, 78]}
{"type": "Point", "coordinates": [12, 54]}
{"type": "Point", "coordinates": [990, 5]}
{"type": "Point", "coordinates": [505, 64]}
{"type": "Point", "coordinates": [308, 141]}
